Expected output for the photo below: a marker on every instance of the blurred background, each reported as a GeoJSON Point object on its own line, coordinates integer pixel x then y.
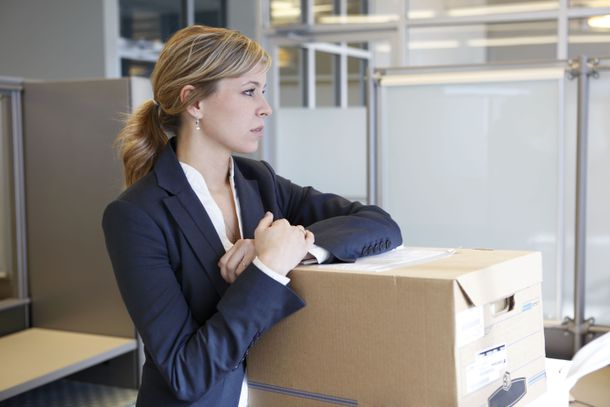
{"type": "Point", "coordinates": [463, 118]}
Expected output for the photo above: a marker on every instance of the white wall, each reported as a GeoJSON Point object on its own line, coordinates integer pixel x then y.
{"type": "Point", "coordinates": [59, 39]}
{"type": "Point", "coordinates": [323, 147]}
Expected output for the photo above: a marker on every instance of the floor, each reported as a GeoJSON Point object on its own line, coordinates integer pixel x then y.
{"type": "Point", "coordinates": [69, 393]}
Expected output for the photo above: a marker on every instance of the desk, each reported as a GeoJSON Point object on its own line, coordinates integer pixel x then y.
{"type": "Point", "coordinates": [36, 356]}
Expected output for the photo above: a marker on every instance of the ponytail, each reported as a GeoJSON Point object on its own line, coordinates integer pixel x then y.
{"type": "Point", "coordinates": [141, 141]}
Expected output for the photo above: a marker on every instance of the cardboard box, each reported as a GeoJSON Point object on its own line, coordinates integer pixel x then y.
{"type": "Point", "coordinates": [465, 330]}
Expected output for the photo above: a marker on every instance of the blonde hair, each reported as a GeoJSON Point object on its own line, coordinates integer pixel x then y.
{"type": "Point", "coordinates": [195, 55]}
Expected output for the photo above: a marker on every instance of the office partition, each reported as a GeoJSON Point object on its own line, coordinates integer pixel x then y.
{"type": "Point", "coordinates": [63, 172]}
{"type": "Point", "coordinates": [486, 157]}
{"type": "Point", "coordinates": [324, 148]}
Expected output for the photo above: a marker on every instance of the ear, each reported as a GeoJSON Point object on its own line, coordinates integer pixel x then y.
{"type": "Point", "coordinates": [194, 109]}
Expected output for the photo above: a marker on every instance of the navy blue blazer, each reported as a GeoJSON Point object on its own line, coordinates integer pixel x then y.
{"type": "Point", "coordinates": [196, 328]}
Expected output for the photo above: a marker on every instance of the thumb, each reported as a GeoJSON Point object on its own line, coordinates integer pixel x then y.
{"type": "Point", "coordinates": [265, 222]}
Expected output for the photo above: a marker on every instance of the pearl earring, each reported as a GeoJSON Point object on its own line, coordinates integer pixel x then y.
{"type": "Point", "coordinates": [197, 124]}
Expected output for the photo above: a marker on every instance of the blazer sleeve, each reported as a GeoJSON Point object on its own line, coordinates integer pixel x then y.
{"type": "Point", "coordinates": [191, 357]}
{"type": "Point", "coordinates": [348, 230]}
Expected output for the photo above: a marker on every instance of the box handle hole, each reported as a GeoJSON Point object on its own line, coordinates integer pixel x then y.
{"type": "Point", "coordinates": [503, 306]}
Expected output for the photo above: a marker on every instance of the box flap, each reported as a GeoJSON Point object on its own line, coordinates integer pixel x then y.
{"type": "Point", "coordinates": [502, 279]}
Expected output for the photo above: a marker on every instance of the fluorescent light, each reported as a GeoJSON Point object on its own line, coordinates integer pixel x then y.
{"type": "Point", "coordinates": [512, 41]}
{"type": "Point", "coordinates": [503, 75]}
{"type": "Point", "coordinates": [285, 12]}
{"type": "Point", "coordinates": [362, 19]}
{"type": "Point", "coordinates": [283, 5]}
{"type": "Point", "coordinates": [591, 3]}
{"type": "Point", "coordinates": [588, 39]}
{"type": "Point", "coordinates": [434, 44]}
{"type": "Point", "coordinates": [503, 9]}
{"type": "Point", "coordinates": [322, 7]}
{"type": "Point", "coordinates": [383, 48]}
{"type": "Point", "coordinates": [599, 21]}
{"type": "Point", "coordinates": [416, 14]}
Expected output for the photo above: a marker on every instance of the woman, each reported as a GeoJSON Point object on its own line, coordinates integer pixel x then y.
{"type": "Point", "coordinates": [199, 259]}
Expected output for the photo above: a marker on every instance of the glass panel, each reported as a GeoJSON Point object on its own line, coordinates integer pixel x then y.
{"type": "Point", "coordinates": [382, 53]}
{"type": "Point", "coordinates": [325, 79]}
{"type": "Point", "coordinates": [356, 7]}
{"type": "Point", "coordinates": [149, 20]}
{"type": "Point", "coordinates": [598, 196]}
{"type": "Point", "coordinates": [589, 36]}
{"type": "Point", "coordinates": [130, 67]}
{"type": "Point", "coordinates": [210, 12]}
{"type": "Point", "coordinates": [481, 43]}
{"type": "Point", "coordinates": [485, 176]}
{"type": "Point", "coordinates": [423, 9]}
{"type": "Point", "coordinates": [145, 26]}
{"type": "Point", "coordinates": [7, 237]}
{"type": "Point", "coordinates": [363, 12]}
{"type": "Point", "coordinates": [356, 81]}
{"type": "Point", "coordinates": [342, 132]}
{"type": "Point", "coordinates": [589, 3]}
{"type": "Point", "coordinates": [285, 12]}
{"type": "Point", "coordinates": [323, 8]}
{"type": "Point", "coordinates": [291, 86]}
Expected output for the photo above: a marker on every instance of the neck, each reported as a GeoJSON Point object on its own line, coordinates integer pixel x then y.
{"type": "Point", "coordinates": [211, 161]}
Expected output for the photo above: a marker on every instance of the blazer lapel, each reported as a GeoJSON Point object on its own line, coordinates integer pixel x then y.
{"type": "Point", "coordinates": [190, 215]}
{"type": "Point", "coordinates": [250, 202]}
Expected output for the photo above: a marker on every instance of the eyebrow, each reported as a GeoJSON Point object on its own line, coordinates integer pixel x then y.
{"type": "Point", "coordinates": [254, 83]}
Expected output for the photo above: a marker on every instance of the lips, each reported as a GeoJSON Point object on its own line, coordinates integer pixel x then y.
{"type": "Point", "coordinates": [258, 129]}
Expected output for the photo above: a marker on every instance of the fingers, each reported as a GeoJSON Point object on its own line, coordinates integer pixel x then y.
{"type": "Point", "coordinates": [236, 259]}
{"type": "Point", "coordinates": [265, 222]}
{"type": "Point", "coordinates": [310, 239]}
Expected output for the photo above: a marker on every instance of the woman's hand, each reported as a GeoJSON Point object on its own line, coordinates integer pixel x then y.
{"type": "Point", "coordinates": [237, 259]}
{"type": "Point", "coordinates": [279, 245]}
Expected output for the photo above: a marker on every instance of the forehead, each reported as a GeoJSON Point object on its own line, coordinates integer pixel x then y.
{"type": "Point", "coordinates": [256, 76]}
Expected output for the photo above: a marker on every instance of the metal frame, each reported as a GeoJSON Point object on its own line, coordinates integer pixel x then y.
{"type": "Point", "coordinates": [13, 88]}
{"type": "Point", "coordinates": [583, 69]}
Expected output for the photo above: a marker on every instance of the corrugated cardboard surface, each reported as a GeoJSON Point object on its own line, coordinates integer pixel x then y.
{"type": "Point", "coordinates": [388, 339]}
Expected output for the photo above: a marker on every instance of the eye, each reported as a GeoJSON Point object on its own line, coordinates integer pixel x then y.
{"type": "Point", "coordinates": [249, 92]}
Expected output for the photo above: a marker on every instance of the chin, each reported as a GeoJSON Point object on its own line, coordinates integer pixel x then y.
{"type": "Point", "coordinates": [249, 149]}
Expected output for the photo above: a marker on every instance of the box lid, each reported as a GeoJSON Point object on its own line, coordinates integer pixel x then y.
{"type": "Point", "coordinates": [484, 275]}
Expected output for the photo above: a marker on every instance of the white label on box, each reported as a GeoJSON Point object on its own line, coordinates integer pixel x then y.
{"type": "Point", "coordinates": [469, 326]}
{"type": "Point", "coordinates": [489, 365]}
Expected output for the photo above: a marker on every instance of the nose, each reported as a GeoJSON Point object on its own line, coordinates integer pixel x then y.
{"type": "Point", "coordinates": [265, 110]}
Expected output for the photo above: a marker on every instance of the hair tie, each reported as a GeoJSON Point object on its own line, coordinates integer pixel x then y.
{"type": "Point", "coordinates": [156, 103]}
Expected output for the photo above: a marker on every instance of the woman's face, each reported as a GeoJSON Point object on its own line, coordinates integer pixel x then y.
{"type": "Point", "coordinates": [232, 117]}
